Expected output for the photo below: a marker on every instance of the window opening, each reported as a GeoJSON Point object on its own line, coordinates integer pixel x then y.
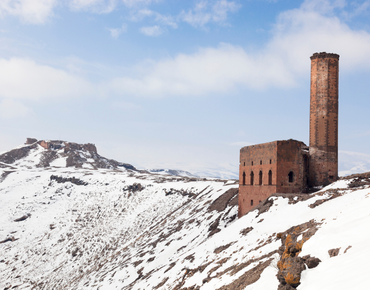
{"type": "Point", "coordinates": [260, 162]}
{"type": "Point", "coordinates": [244, 163]}
{"type": "Point", "coordinates": [243, 178]}
{"type": "Point", "coordinates": [270, 177]}
{"type": "Point", "coordinates": [252, 178]}
{"type": "Point", "coordinates": [252, 162]}
{"type": "Point", "coordinates": [260, 178]}
{"type": "Point", "coordinates": [270, 161]}
{"type": "Point", "coordinates": [251, 201]}
{"type": "Point", "coordinates": [291, 176]}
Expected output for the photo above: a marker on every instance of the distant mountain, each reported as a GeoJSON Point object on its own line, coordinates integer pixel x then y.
{"type": "Point", "coordinates": [172, 172]}
{"type": "Point", "coordinates": [56, 153]}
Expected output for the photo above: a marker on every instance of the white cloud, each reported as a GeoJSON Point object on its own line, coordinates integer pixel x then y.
{"type": "Point", "coordinates": [10, 109]}
{"type": "Point", "coordinates": [222, 8]}
{"type": "Point", "coordinates": [210, 70]}
{"type": "Point", "coordinates": [115, 32]}
{"type": "Point", "coordinates": [31, 11]}
{"type": "Point", "coordinates": [323, 6]}
{"type": "Point", "coordinates": [204, 12]}
{"type": "Point", "coordinates": [25, 79]}
{"type": "Point", "coordinates": [96, 6]}
{"type": "Point", "coordinates": [301, 32]}
{"type": "Point", "coordinates": [151, 30]}
{"type": "Point", "coordinates": [163, 19]}
{"type": "Point", "coordinates": [297, 34]}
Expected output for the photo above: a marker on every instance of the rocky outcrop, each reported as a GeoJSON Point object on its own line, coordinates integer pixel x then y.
{"type": "Point", "coordinates": [76, 155]}
{"type": "Point", "coordinates": [291, 265]}
{"type": "Point", "coordinates": [73, 180]}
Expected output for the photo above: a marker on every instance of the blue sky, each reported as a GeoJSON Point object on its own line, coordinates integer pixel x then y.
{"type": "Point", "coordinates": [179, 84]}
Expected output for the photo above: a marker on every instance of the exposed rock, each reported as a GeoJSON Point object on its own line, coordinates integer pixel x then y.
{"type": "Point", "coordinates": [213, 228]}
{"type": "Point", "coordinates": [30, 141]}
{"type": "Point", "coordinates": [311, 262]}
{"type": "Point", "coordinates": [10, 239]}
{"type": "Point", "coordinates": [264, 206]}
{"type": "Point", "coordinates": [222, 248]}
{"type": "Point", "coordinates": [69, 150]}
{"type": "Point", "coordinates": [4, 175]}
{"type": "Point", "coordinates": [285, 287]}
{"type": "Point", "coordinates": [22, 218]}
{"type": "Point", "coordinates": [16, 154]}
{"type": "Point", "coordinates": [224, 200]}
{"type": "Point", "coordinates": [333, 252]}
{"type": "Point", "coordinates": [291, 265]}
{"type": "Point", "coordinates": [136, 187]}
{"type": "Point", "coordinates": [73, 180]}
{"type": "Point", "coordinates": [345, 251]}
{"type": "Point", "coordinates": [245, 231]}
{"type": "Point", "coordinates": [248, 277]}
{"type": "Point", "coordinates": [180, 192]}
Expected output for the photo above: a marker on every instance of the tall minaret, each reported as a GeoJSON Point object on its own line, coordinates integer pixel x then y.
{"type": "Point", "coordinates": [323, 164]}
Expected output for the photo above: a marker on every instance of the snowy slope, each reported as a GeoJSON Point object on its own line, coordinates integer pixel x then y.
{"type": "Point", "coordinates": [81, 228]}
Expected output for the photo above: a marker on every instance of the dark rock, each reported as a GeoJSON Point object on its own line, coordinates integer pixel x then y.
{"type": "Point", "coordinates": [136, 187]}
{"type": "Point", "coordinates": [213, 228]}
{"type": "Point", "coordinates": [222, 248]}
{"type": "Point", "coordinates": [73, 180]}
{"type": "Point", "coordinates": [31, 141]}
{"type": "Point", "coordinates": [10, 239]}
{"type": "Point", "coordinates": [311, 262]}
{"type": "Point", "coordinates": [285, 287]}
{"type": "Point", "coordinates": [333, 252]}
{"type": "Point", "coordinates": [245, 231]}
{"type": "Point", "coordinates": [345, 251]}
{"type": "Point", "coordinates": [22, 218]}
{"type": "Point", "coordinates": [220, 203]}
{"type": "Point", "coordinates": [75, 251]}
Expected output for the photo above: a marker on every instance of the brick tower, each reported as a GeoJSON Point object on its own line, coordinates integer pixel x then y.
{"type": "Point", "coordinates": [323, 164]}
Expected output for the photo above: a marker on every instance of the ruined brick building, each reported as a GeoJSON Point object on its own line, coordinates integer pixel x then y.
{"type": "Point", "coordinates": [289, 166]}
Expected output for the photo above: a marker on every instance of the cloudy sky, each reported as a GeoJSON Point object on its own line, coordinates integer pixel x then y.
{"type": "Point", "coordinates": [179, 84]}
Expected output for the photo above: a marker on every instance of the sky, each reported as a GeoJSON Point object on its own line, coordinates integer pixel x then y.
{"type": "Point", "coordinates": [180, 84]}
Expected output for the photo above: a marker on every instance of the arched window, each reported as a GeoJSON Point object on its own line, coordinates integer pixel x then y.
{"type": "Point", "coordinates": [260, 162]}
{"type": "Point", "coordinates": [270, 177]}
{"type": "Point", "coordinates": [291, 176]}
{"type": "Point", "coordinates": [260, 178]}
{"type": "Point", "coordinates": [243, 178]}
{"type": "Point", "coordinates": [252, 178]}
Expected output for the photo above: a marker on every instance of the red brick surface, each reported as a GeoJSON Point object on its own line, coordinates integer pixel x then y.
{"type": "Point", "coordinates": [281, 157]}
{"type": "Point", "coordinates": [313, 166]}
{"type": "Point", "coordinates": [324, 119]}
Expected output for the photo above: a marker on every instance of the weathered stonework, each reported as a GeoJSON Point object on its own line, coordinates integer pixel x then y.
{"type": "Point", "coordinates": [290, 166]}
{"type": "Point", "coordinates": [275, 167]}
{"type": "Point", "coordinates": [324, 119]}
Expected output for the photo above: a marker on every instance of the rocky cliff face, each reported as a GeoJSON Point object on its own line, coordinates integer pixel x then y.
{"type": "Point", "coordinates": [57, 153]}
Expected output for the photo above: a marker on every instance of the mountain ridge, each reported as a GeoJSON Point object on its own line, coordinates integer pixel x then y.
{"type": "Point", "coordinates": [108, 228]}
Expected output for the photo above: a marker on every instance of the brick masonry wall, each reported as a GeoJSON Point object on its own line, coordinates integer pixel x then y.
{"type": "Point", "coordinates": [279, 157]}
{"type": "Point", "coordinates": [324, 119]}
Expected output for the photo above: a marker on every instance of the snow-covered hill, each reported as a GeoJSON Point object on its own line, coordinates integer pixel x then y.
{"type": "Point", "coordinates": [77, 227]}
